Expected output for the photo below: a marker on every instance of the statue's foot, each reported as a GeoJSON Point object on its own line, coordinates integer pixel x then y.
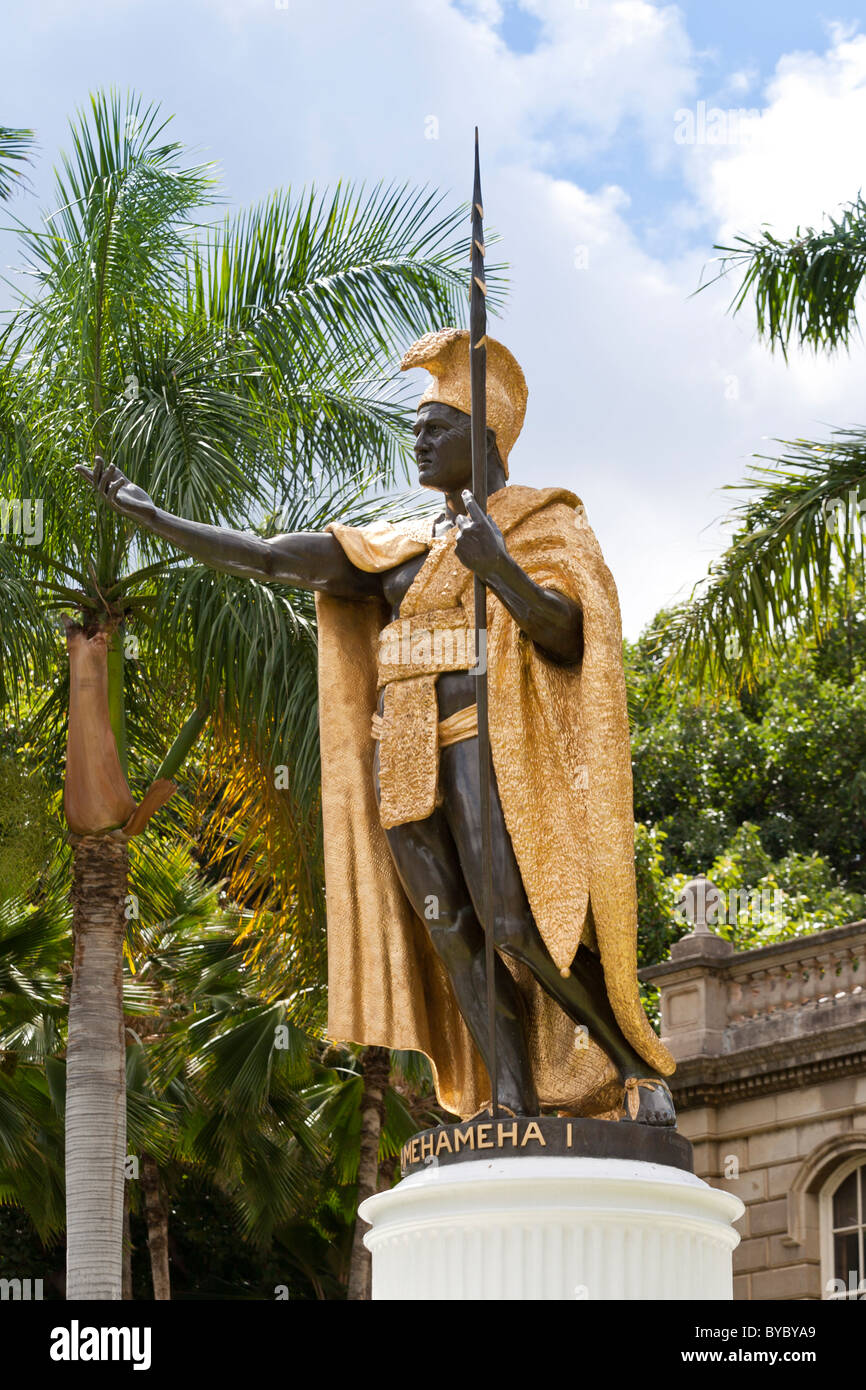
{"type": "Point", "coordinates": [648, 1101]}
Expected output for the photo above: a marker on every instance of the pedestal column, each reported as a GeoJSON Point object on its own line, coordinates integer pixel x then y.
{"type": "Point", "coordinates": [530, 1228]}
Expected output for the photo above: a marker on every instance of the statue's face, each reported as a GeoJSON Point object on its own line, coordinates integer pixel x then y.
{"type": "Point", "coordinates": [443, 447]}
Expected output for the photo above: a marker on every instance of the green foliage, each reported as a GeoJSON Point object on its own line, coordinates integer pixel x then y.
{"type": "Point", "coordinates": [34, 946]}
{"type": "Point", "coordinates": [16, 147]}
{"type": "Point", "coordinates": [793, 563]}
{"type": "Point", "coordinates": [250, 1118]}
{"type": "Point", "coordinates": [762, 791]}
{"type": "Point", "coordinates": [805, 288]}
{"type": "Point", "coordinates": [657, 925]}
{"type": "Point", "coordinates": [763, 901]}
{"type": "Point", "coordinates": [27, 832]}
{"type": "Point", "coordinates": [798, 536]}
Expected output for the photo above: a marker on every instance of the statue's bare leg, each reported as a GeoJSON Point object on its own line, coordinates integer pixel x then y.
{"type": "Point", "coordinates": [582, 994]}
{"type": "Point", "coordinates": [427, 861]}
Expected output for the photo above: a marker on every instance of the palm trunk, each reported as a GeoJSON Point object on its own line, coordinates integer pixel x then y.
{"type": "Point", "coordinates": [375, 1069]}
{"type": "Point", "coordinates": [387, 1169]}
{"type": "Point", "coordinates": [97, 803]}
{"type": "Point", "coordinates": [156, 1211]}
{"type": "Point", "coordinates": [126, 1284]}
{"type": "Point", "coordinates": [96, 1072]}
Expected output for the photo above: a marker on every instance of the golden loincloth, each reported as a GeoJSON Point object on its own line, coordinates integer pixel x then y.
{"type": "Point", "coordinates": [413, 653]}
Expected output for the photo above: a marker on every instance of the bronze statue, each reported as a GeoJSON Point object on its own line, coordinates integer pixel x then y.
{"type": "Point", "coordinates": [401, 794]}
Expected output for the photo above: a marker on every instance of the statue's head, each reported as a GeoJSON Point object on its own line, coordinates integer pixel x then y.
{"type": "Point", "coordinates": [442, 428]}
{"type": "Point", "coordinates": [443, 447]}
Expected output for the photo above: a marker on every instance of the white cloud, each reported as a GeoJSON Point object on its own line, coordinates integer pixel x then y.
{"type": "Point", "coordinates": [742, 80]}
{"type": "Point", "coordinates": [642, 399]}
{"type": "Point", "coordinates": [804, 157]}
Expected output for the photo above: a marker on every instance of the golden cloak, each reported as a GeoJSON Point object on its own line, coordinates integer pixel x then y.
{"type": "Point", "coordinates": [560, 744]}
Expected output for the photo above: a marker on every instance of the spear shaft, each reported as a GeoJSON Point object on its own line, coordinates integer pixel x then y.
{"type": "Point", "coordinates": [478, 386]}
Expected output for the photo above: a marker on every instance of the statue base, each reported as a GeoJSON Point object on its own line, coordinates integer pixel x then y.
{"type": "Point", "coordinates": [543, 1224]}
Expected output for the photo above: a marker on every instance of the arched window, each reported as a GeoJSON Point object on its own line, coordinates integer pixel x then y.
{"type": "Point", "coordinates": [843, 1229]}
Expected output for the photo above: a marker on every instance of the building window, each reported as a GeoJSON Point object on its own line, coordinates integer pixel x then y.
{"type": "Point", "coordinates": [844, 1230]}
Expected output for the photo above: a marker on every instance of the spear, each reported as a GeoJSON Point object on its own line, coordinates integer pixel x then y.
{"type": "Point", "coordinates": [478, 389]}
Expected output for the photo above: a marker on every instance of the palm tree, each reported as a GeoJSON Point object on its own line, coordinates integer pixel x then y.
{"type": "Point", "coordinates": [283, 1132]}
{"type": "Point", "coordinates": [796, 555]}
{"type": "Point", "coordinates": [236, 373]}
{"type": "Point", "coordinates": [16, 146]}
{"type": "Point", "coordinates": [209, 1093]}
{"type": "Point", "coordinates": [367, 1102]}
{"type": "Point", "coordinates": [33, 950]}
{"type": "Point", "coordinates": [375, 1071]}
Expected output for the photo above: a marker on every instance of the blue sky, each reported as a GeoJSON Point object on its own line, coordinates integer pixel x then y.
{"type": "Point", "coordinates": [644, 399]}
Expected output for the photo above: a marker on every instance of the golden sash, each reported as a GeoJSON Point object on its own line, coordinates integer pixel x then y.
{"type": "Point", "coordinates": [413, 653]}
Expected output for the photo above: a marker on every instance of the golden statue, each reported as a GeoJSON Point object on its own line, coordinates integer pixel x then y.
{"type": "Point", "coordinates": [400, 769]}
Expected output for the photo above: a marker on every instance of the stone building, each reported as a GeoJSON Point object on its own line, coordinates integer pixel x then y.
{"type": "Point", "coordinates": [770, 1088]}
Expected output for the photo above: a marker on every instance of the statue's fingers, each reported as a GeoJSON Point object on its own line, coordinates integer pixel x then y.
{"type": "Point", "coordinates": [114, 489]}
{"type": "Point", "coordinates": [85, 472]}
{"type": "Point", "coordinates": [472, 507]}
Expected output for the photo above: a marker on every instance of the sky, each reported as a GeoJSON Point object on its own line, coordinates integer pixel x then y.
{"type": "Point", "coordinates": [621, 140]}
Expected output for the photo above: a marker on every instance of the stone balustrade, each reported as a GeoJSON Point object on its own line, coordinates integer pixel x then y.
{"type": "Point", "coordinates": [717, 1001]}
{"type": "Point", "coordinates": [792, 975]}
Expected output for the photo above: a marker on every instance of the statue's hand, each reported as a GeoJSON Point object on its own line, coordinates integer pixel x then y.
{"type": "Point", "coordinates": [480, 546]}
{"type": "Point", "coordinates": [116, 489]}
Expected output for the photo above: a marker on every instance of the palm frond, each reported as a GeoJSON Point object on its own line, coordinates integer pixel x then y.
{"type": "Point", "coordinates": [793, 542]}
{"type": "Point", "coordinates": [806, 287]}
{"type": "Point", "coordinates": [353, 266]}
{"type": "Point", "coordinates": [31, 1148]}
{"type": "Point", "coordinates": [16, 149]}
{"type": "Point", "coordinates": [28, 642]}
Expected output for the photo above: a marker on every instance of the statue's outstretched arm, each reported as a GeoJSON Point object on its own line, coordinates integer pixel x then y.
{"type": "Point", "coordinates": [305, 559]}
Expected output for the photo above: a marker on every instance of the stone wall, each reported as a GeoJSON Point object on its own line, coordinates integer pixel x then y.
{"type": "Point", "coordinates": [770, 1088]}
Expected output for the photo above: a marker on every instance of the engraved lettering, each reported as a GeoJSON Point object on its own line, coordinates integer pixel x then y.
{"type": "Point", "coordinates": [533, 1132]}
{"type": "Point", "coordinates": [461, 1139]}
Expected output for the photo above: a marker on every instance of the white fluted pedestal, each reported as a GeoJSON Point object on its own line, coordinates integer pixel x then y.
{"type": "Point", "coordinates": [529, 1228]}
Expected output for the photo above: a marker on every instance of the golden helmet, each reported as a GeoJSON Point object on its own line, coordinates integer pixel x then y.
{"type": "Point", "coordinates": [445, 354]}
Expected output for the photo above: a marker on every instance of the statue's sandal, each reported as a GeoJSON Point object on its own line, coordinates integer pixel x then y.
{"type": "Point", "coordinates": [648, 1101]}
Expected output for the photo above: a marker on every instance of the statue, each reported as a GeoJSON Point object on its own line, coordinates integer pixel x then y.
{"type": "Point", "coordinates": [400, 774]}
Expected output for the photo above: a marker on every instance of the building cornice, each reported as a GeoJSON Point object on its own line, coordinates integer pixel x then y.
{"type": "Point", "coordinates": [769, 1069]}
